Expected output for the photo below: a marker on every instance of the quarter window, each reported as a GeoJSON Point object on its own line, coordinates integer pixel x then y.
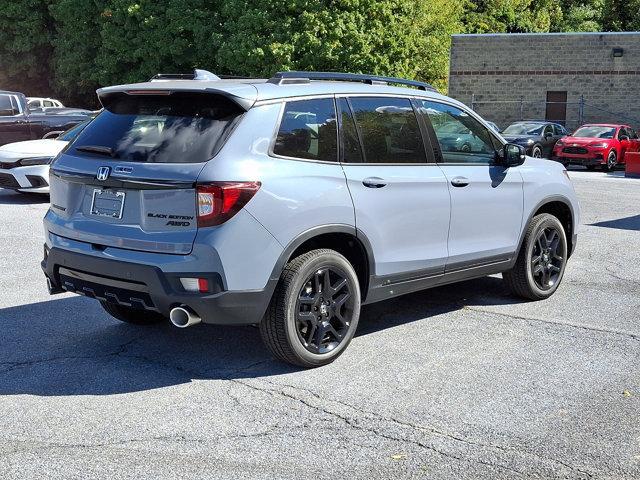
{"type": "Point", "coordinates": [308, 130]}
{"type": "Point", "coordinates": [7, 108]}
{"type": "Point", "coordinates": [461, 137]}
{"type": "Point", "coordinates": [388, 129]}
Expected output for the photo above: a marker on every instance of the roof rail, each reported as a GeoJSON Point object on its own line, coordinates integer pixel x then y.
{"type": "Point", "coordinates": [283, 78]}
{"type": "Point", "coordinates": [196, 75]}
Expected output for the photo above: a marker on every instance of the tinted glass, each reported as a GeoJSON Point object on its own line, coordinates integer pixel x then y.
{"type": "Point", "coordinates": [72, 132]}
{"type": "Point", "coordinates": [176, 128]}
{"type": "Point", "coordinates": [524, 129]}
{"type": "Point", "coordinates": [595, 131]}
{"type": "Point", "coordinates": [559, 130]}
{"type": "Point", "coordinates": [6, 107]}
{"type": "Point", "coordinates": [389, 130]}
{"type": "Point", "coordinates": [351, 152]}
{"type": "Point", "coordinates": [548, 130]}
{"type": "Point", "coordinates": [308, 130]}
{"type": "Point", "coordinates": [462, 138]}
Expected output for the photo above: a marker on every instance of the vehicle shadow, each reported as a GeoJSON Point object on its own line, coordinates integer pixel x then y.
{"type": "Point", "coordinates": [69, 346]}
{"type": "Point", "coordinates": [627, 223]}
{"type": "Point", "coordinates": [9, 197]}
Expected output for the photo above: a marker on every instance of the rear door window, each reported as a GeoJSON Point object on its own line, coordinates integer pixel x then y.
{"type": "Point", "coordinates": [308, 130]}
{"type": "Point", "coordinates": [7, 107]}
{"type": "Point", "coordinates": [389, 130]}
{"type": "Point", "coordinates": [176, 128]}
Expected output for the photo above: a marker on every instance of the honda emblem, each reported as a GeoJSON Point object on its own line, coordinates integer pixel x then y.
{"type": "Point", "coordinates": [103, 173]}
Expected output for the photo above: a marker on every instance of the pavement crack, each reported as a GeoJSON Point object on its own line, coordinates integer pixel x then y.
{"type": "Point", "coordinates": [630, 335]}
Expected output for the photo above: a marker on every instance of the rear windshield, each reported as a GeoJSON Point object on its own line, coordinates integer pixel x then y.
{"type": "Point", "coordinates": [175, 128]}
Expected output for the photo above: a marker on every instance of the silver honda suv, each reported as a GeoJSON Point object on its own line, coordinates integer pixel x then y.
{"type": "Point", "coordinates": [289, 203]}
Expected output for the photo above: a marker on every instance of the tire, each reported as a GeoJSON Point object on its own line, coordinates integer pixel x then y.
{"type": "Point", "coordinates": [612, 161]}
{"type": "Point", "coordinates": [536, 151]}
{"type": "Point", "coordinates": [290, 328]}
{"type": "Point", "coordinates": [134, 316]}
{"type": "Point", "coordinates": [551, 262]}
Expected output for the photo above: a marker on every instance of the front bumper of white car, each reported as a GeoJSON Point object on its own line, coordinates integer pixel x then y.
{"type": "Point", "coordinates": [33, 178]}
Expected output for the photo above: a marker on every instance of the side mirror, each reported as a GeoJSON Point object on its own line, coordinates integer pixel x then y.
{"type": "Point", "coordinates": [512, 155]}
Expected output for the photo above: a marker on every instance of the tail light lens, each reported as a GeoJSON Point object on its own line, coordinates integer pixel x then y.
{"type": "Point", "coordinates": [219, 201]}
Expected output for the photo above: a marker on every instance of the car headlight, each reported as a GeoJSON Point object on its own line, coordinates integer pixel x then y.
{"type": "Point", "coordinates": [27, 162]}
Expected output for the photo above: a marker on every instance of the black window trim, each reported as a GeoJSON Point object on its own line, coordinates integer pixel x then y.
{"type": "Point", "coordinates": [429, 158]}
{"type": "Point", "coordinates": [274, 136]}
{"type": "Point", "coordinates": [434, 139]}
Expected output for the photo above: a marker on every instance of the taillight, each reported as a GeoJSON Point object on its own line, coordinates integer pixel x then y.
{"type": "Point", "coordinates": [217, 202]}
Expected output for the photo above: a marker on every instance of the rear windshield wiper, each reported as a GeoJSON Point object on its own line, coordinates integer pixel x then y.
{"type": "Point", "coordinates": [99, 149]}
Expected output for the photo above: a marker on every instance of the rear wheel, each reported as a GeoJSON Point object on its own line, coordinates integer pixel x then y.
{"type": "Point", "coordinates": [612, 161]}
{"type": "Point", "coordinates": [314, 311]}
{"type": "Point", "coordinates": [541, 261]}
{"type": "Point", "coordinates": [132, 315]}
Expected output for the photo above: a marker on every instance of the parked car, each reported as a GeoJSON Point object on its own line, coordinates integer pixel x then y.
{"type": "Point", "coordinates": [24, 166]}
{"type": "Point", "coordinates": [39, 102]}
{"type": "Point", "coordinates": [595, 145]}
{"type": "Point", "coordinates": [538, 138]}
{"type": "Point", "coordinates": [494, 126]}
{"type": "Point", "coordinates": [19, 123]}
{"type": "Point", "coordinates": [291, 202]}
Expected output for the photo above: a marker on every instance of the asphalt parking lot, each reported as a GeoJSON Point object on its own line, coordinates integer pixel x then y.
{"type": "Point", "coordinates": [462, 381]}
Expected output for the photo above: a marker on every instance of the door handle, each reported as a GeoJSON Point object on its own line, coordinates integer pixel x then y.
{"type": "Point", "coordinates": [459, 181]}
{"type": "Point", "coordinates": [374, 182]}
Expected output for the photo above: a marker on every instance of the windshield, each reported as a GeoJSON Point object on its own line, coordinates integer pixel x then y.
{"type": "Point", "coordinates": [159, 128]}
{"type": "Point", "coordinates": [594, 131]}
{"type": "Point", "coordinates": [524, 129]}
{"type": "Point", "coordinates": [73, 132]}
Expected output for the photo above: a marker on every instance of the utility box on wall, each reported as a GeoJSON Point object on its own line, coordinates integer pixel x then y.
{"type": "Point", "coordinates": [571, 78]}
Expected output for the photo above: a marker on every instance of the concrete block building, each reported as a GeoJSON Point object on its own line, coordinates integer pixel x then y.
{"type": "Point", "coordinates": [571, 78]}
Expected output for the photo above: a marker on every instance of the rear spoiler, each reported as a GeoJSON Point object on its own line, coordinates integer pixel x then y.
{"type": "Point", "coordinates": [242, 94]}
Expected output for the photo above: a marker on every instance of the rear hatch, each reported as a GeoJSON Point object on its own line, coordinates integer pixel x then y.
{"type": "Point", "coordinates": [128, 180]}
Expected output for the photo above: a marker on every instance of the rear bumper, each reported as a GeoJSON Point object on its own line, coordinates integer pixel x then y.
{"type": "Point", "coordinates": [149, 288]}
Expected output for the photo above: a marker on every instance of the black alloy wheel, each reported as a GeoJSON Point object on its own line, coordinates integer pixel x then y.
{"type": "Point", "coordinates": [324, 310]}
{"type": "Point", "coordinates": [541, 261]}
{"type": "Point", "coordinates": [547, 259]}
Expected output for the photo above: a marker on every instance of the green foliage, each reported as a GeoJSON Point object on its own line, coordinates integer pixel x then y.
{"type": "Point", "coordinates": [397, 37]}
{"type": "Point", "coordinates": [69, 48]}
{"type": "Point", "coordinates": [25, 44]}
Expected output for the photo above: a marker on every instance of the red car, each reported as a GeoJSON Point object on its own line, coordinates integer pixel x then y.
{"type": "Point", "coordinates": [597, 144]}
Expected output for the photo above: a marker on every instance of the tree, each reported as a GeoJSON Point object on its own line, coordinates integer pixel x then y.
{"type": "Point", "coordinates": [393, 37]}
{"type": "Point", "coordinates": [25, 45]}
{"type": "Point", "coordinates": [511, 16]}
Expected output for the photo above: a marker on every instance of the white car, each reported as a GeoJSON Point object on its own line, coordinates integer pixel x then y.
{"type": "Point", "coordinates": [39, 102]}
{"type": "Point", "coordinates": [24, 166]}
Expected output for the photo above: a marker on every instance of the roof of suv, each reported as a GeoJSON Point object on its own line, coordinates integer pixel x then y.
{"type": "Point", "coordinates": [247, 92]}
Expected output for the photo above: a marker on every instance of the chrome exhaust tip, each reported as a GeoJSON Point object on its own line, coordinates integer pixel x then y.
{"type": "Point", "coordinates": [183, 317]}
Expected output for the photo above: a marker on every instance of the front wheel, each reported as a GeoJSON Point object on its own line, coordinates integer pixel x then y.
{"type": "Point", "coordinates": [536, 152]}
{"type": "Point", "coordinates": [612, 161]}
{"type": "Point", "coordinates": [541, 261]}
{"type": "Point", "coordinates": [314, 311]}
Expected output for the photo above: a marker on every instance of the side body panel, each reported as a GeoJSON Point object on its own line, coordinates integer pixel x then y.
{"type": "Point", "coordinates": [406, 221]}
{"type": "Point", "coordinates": [295, 195]}
{"type": "Point", "coordinates": [486, 214]}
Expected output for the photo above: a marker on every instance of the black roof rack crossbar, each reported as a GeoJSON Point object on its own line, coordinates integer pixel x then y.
{"type": "Point", "coordinates": [304, 77]}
